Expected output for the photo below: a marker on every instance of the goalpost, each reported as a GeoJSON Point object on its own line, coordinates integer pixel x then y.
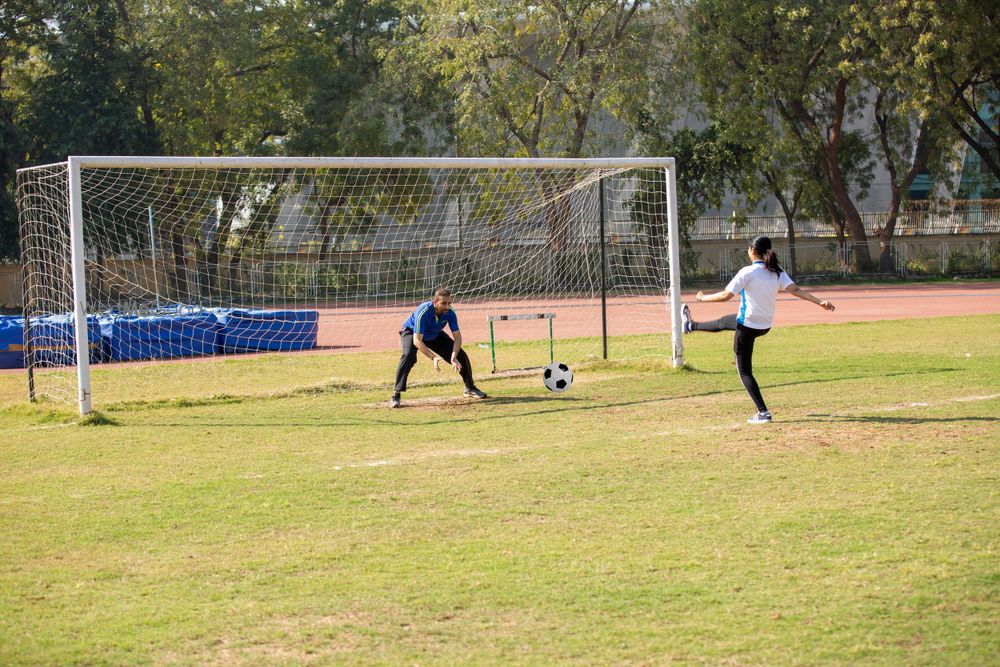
{"type": "Point", "coordinates": [152, 259]}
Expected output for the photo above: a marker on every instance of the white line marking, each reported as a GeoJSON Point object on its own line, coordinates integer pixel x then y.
{"type": "Point", "coordinates": [457, 453]}
{"type": "Point", "coordinates": [927, 404]}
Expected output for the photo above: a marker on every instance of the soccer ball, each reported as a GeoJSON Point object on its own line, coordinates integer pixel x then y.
{"type": "Point", "coordinates": [557, 377]}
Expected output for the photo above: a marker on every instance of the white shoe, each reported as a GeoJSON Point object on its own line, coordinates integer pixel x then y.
{"type": "Point", "coordinates": [685, 318]}
{"type": "Point", "coordinates": [760, 418]}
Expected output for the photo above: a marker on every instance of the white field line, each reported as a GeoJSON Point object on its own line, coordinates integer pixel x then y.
{"type": "Point", "coordinates": [889, 408]}
{"type": "Point", "coordinates": [406, 460]}
{"type": "Point", "coordinates": [931, 404]}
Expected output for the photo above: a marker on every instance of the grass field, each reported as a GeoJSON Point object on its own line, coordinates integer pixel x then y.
{"type": "Point", "coordinates": [634, 519]}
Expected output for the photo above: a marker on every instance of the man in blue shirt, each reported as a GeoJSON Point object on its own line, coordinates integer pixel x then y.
{"type": "Point", "coordinates": [423, 330]}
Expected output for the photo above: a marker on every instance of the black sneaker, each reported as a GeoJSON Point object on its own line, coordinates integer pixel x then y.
{"type": "Point", "coordinates": [394, 402]}
{"type": "Point", "coordinates": [760, 418]}
{"type": "Point", "coordinates": [474, 392]}
{"type": "Point", "coordinates": [685, 318]}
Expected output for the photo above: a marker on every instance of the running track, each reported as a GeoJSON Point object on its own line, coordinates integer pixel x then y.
{"type": "Point", "coordinates": [361, 329]}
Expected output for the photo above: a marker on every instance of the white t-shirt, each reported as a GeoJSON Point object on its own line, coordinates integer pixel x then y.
{"type": "Point", "coordinates": [758, 289]}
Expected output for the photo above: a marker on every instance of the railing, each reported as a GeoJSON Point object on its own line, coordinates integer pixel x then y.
{"type": "Point", "coordinates": [908, 258]}
{"type": "Point", "coordinates": [917, 219]}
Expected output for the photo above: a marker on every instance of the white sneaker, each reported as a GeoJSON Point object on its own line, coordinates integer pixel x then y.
{"type": "Point", "coordinates": [685, 318]}
{"type": "Point", "coordinates": [760, 418]}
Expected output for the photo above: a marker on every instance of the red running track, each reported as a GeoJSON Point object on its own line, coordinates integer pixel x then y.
{"type": "Point", "coordinates": [361, 329]}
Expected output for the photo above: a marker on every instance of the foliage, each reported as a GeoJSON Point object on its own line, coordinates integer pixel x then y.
{"type": "Point", "coordinates": [339, 102]}
{"type": "Point", "coordinates": [957, 58]}
{"type": "Point", "coordinates": [527, 78]}
{"type": "Point", "coordinates": [708, 164]}
{"type": "Point", "coordinates": [84, 103]}
{"type": "Point", "coordinates": [786, 83]}
{"type": "Point", "coordinates": [795, 63]}
{"type": "Point", "coordinates": [21, 25]}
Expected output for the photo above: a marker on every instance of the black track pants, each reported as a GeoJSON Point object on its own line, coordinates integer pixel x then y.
{"type": "Point", "coordinates": [743, 347]}
{"type": "Point", "coordinates": [443, 345]}
{"type": "Point", "coordinates": [724, 323]}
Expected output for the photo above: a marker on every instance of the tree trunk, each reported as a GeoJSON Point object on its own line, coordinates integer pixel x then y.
{"type": "Point", "coordinates": [897, 187]}
{"type": "Point", "coordinates": [827, 142]}
{"type": "Point", "coordinates": [179, 273]}
{"type": "Point", "coordinates": [850, 217]}
{"type": "Point", "coordinates": [885, 234]}
{"type": "Point", "coordinates": [324, 222]}
{"type": "Point", "coordinates": [838, 229]}
{"type": "Point", "coordinates": [789, 211]}
{"type": "Point", "coordinates": [213, 252]}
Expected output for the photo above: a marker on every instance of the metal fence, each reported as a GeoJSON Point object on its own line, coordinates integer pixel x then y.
{"type": "Point", "coordinates": [909, 258]}
{"type": "Point", "coordinates": [916, 219]}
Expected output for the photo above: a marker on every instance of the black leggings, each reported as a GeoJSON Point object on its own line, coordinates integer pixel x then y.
{"type": "Point", "coordinates": [443, 345]}
{"type": "Point", "coordinates": [724, 323]}
{"type": "Point", "coordinates": [743, 347]}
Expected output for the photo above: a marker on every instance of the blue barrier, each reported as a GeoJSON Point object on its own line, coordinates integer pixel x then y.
{"type": "Point", "coordinates": [267, 330]}
{"type": "Point", "coordinates": [133, 338]}
{"type": "Point", "coordinates": [11, 342]}
{"type": "Point", "coordinates": [130, 338]}
{"type": "Point", "coordinates": [53, 340]}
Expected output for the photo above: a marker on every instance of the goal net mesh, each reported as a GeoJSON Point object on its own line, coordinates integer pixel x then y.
{"type": "Point", "coordinates": [214, 263]}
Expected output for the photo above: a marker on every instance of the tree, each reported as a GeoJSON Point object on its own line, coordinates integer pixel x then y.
{"type": "Point", "coordinates": [22, 23]}
{"type": "Point", "coordinates": [708, 164]}
{"type": "Point", "coordinates": [527, 78]}
{"type": "Point", "coordinates": [339, 102]}
{"type": "Point", "coordinates": [212, 73]}
{"type": "Point", "coordinates": [910, 139]}
{"type": "Point", "coordinates": [798, 59]}
{"type": "Point", "coordinates": [84, 104]}
{"type": "Point", "coordinates": [958, 57]}
{"type": "Point", "coordinates": [790, 181]}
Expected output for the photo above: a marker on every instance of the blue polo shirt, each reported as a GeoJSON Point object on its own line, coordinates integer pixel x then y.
{"type": "Point", "coordinates": [424, 321]}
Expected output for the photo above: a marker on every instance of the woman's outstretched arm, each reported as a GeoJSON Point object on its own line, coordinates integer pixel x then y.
{"type": "Point", "coordinates": [797, 291]}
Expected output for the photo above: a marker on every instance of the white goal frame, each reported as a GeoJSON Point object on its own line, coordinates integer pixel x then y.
{"type": "Point", "coordinates": [78, 163]}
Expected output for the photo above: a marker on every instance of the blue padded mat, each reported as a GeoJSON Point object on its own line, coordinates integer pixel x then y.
{"type": "Point", "coordinates": [132, 338]}
{"type": "Point", "coordinates": [271, 330]}
{"type": "Point", "coordinates": [11, 342]}
{"type": "Point", "coordinates": [53, 340]}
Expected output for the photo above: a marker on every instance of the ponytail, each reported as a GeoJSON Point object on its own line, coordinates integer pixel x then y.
{"type": "Point", "coordinates": [771, 261]}
{"type": "Point", "coordinates": [762, 248]}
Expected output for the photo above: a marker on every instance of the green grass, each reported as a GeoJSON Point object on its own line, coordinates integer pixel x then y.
{"type": "Point", "coordinates": [634, 519]}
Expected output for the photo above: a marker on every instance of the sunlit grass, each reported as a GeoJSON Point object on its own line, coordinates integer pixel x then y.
{"type": "Point", "coordinates": [635, 518]}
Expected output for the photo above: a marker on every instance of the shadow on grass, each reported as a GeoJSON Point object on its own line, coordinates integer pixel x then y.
{"type": "Point", "coordinates": [520, 400]}
{"type": "Point", "coordinates": [861, 419]}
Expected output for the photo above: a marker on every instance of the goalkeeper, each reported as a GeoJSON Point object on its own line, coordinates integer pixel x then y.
{"type": "Point", "coordinates": [423, 330]}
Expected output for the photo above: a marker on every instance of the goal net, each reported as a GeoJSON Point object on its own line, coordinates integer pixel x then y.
{"type": "Point", "coordinates": [134, 265]}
